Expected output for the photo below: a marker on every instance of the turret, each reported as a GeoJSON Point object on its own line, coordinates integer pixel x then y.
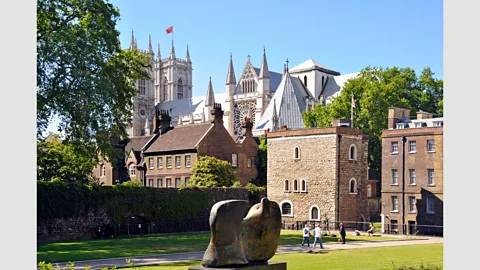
{"type": "Point", "coordinates": [172, 53]}
{"type": "Point", "coordinates": [231, 81]}
{"type": "Point", "coordinates": [187, 57]}
{"type": "Point", "coordinates": [210, 98]}
{"type": "Point", "coordinates": [150, 49]}
{"type": "Point", "coordinates": [133, 42]}
{"type": "Point", "coordinates": [264, 76]}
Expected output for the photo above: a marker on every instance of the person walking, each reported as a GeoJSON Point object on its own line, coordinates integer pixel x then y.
{"type": "Point", "coordinates": [342, 232]}
{"type": "Point", "coordinates": [318, 236]}
{"type": "Point", "coordinates": [306, 236]}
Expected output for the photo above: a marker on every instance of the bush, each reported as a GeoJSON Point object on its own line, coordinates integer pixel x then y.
{"type": "Point", "coordinates": [212, 172]}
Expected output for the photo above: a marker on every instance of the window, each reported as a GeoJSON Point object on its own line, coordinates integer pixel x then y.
{"type": "Point", "coordinates": [394, 204]}
{"type": "Point", "coordinates": [304, 185]}
{"type": "Point", "coordinates": [287, 186]}
{"type": "Point", "coordinates": [412, 204]}
{"type": "Point", "coordinates": [437, 124]}
{"type": "Point", "coordinates": [249, 162]}
{"type": "Point", "coordinates": [131, 169]}
{"type": "Point", "coordinates": [234, 160]}
{"type": "Point", "coordinates": [412, 177]}
{"type": "Point", "coordinates": [412, 146]}
{"type": "Point", "coordinates": [418, 125]}
{"type": "Point", "coordinates": [141, 86]}
{"type": "Point", "coordinates": [160, 162]}
{"type": "Point", "coordinates": [394, 225]}
{"type": "Point", "coordinates": [369, 191]}
{"type": "Point", "coordinates": [177, 182]}
{"type": "Point", "coordinates": [394, 177]}
{"type": "Point", "coordinates": [180, 89]}
{"type": "Point", "coordinates": [286, 207]}
{"type": "Point", "coordinates": [150, 163]}
{"type": "Point", "coordinates": [169, 182]}
{"type": "Point", "coordinates": [165, 89]}
{"type": "Point", "coordinates": [431, 175]}
{"type": "Point", "coordinates": [178, 161]}
{"type": "Point", "coordinates": [159, 182]}
{"type": "Point", "coordinates": [353, 186]}
{"type": "Point", "coordinates": [305, 80]}
{"type": "Point", "coordinates": [402, 125]}
{"type": "Point", "coordinates": [431, 145]}
{"type": "Point", "coordinates": [169, 162]}
{"type": "Point", "coordinates": [103, 170]}
{"type": "Point", "coordinates": [187, 161]}
{"type": "Point", "coordinates": [314, 213]}
{"type": "Point", "coordinates": [187, 180]}
{"type": "Point", "coordinates": [297, 153]}
{"type": "Point", "coordinates": [295, 185]}
{"type": "Point", "coordinates": [394, 147]}
{"type": "Point", "coordinates": [150, 182]}
{"type": "Point", "coordinates": [353, 152]}
{"type": "Point", "coordinates": [430, 205]}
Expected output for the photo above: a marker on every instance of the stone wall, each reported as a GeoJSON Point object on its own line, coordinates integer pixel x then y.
{"type": "Point", "coordinates": [79, 228]}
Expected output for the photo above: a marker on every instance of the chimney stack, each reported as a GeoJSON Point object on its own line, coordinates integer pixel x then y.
{"type": "Point", "coordinates": [423, 115]}
{"type": "Point", "coordinates": [247, 126]}
{"type": "Point", "coordinates": [217, 114]}
{"type": "Point", "coordinates": [161, 121]}
{"type": "Point", "coordinates": [396, 115]}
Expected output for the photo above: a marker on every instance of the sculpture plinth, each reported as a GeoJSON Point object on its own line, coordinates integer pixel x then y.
{"type": "Point", "coordinates": [250, 266]}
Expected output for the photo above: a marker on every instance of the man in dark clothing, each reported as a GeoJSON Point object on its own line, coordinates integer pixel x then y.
{"type": "Point", "coordinates": [342, 232]}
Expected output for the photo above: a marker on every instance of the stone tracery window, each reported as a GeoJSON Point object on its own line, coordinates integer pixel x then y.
{"type": "Point", "coordinates": [242, 110]}
{"type": "Point", "coordinates": [165, 87]}
{"type": "Point", "coordinates": [180, 89]}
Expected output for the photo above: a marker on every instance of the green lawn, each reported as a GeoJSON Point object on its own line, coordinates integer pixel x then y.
{"type": "Point", "coordinates": [151, 245]}
{"type": "Point", "coordinates": [361, 258]}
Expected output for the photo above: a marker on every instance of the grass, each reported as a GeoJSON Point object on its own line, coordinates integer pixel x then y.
{"type": "Point", "coordinates": [361, 258]}
{"type": "Point", "coordinates": [152, 245]}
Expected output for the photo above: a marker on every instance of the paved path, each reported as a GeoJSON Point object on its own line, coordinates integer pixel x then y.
{"type": "Point", "coordinates": [197, 256]}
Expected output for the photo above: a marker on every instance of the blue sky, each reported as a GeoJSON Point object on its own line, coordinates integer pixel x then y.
{"type": "Point", "coordinates": [345, 36]}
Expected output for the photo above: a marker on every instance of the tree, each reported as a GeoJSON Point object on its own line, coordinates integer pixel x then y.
{"type": "Point", "coordinates": [375, 90]}
{"type": "Point", "coordinates": [83, 76]}
{"type": "Point", "coordinates": [262, 164]}
{"type": "Point", "coordinates": [212, 172]}
{"type": "Point", "coordinates": [64, 161]}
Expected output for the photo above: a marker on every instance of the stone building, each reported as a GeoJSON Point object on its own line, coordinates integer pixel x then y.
{"type": "Point", "coordinates": [319, 172]}
{"type": "Point", "coordinates": [412, 173]}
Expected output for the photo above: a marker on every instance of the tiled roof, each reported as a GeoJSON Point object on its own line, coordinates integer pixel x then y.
{"type": "Point", "coordinates": [275, 78]}
{"type": "Point", "coordinates": [311, 64]}
{"type": "Point", "coordinates": [335, 85]}
{"type": "Point", "coordinates": [136, 143]}
{"type": "Point", "coordinates": [180, 138]}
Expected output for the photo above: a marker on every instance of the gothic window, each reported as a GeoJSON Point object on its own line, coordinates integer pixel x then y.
{"type": "Point", "coordinates": [305, 80]}
{"type": "Point", "coordinates": [314, 213]}
{"type": "Point", "coordinates": [353, 186]}
{"type": "Point", "coordinates": [165, 87]}
{"type": "Point", "coordinates": [180, 89]}
{"type": "Point", "coordinates": [141, 86]}
{"type": "Point", "coordinates": [353, 152]}
{"type": "Point", "coordinates": [242, 110]}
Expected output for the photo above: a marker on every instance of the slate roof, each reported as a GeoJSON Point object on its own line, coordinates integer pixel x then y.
{"type": "Point", "coordinates": [335, 85]}
{"type": "Point", "coordinates": [137, 143]}
{"type": "Point", "coordinates": [275, 78]}
{"type": "Point", "coordinates": [290, 99]}
{"type": "Point", "coordinates": [180, 138]}
{"type": "Point", "coordinates": [311, 64]}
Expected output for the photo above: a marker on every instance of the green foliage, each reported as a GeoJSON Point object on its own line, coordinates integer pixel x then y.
{"type": "Point", "coordinates": [421, 267]}
{"type": "Point", "coordinates": [62, 200]}
{"type": "Point", "coordinates": [83, 76]}
{"type": "Point", "coordinates": [262, 164]}
{"type": "Point", "coordinates": [132, 183]}
{"type": "Point", "coordinates": [61, 160]}
{"type": "Point", "coordinates": [212, 172]}
{"type": "Point", "coordinates": [255, 193]}
{"type": "Point", "coordinates": [375, 90]}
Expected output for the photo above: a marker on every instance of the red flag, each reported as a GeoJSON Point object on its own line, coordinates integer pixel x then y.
{"type": "Point", "coordinates": [169, 29]}
{"type": "Point", "coordinates": [353, 102]}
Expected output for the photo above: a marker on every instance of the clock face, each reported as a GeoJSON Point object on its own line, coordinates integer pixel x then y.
{"type": "Point", "coordinates": [142, 112]}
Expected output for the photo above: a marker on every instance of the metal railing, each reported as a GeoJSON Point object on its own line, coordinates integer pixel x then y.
{"type": "Point", "coordinates": [132, 229]}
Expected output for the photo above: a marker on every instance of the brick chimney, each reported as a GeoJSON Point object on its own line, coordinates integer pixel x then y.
{"type": "Point", "coordinates": [283, 128]}
{"type": "Point", "coordinates": [423, 115]}
{"type": "Point", "coordinates": [161, 122]}
{"type": "Point", "coordinates": [343, 122]}
{"type": "Point", "coordinates": [247, 126]}
{"type": "Point", "coordinates": [217, 114]}
{"type": "Point", "coordinates": [396, 115]}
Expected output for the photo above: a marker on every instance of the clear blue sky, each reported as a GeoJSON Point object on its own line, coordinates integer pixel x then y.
{"type": "Point", "coordinates": [345, 36]}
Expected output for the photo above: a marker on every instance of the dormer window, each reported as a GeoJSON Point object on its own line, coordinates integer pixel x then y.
{"type": "Point", "coordinates": [402, 125]}
{"type": "Point", "coordinates": [437, 124]}
{"type": "Point", "coordinates": [418, 125]}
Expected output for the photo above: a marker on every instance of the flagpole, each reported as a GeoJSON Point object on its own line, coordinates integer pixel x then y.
{"type": "Point", "coordinates": [351, 106]}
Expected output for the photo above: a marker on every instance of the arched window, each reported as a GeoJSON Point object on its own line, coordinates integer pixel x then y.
{"type": "Point", "coordinates": [287, 186]}
{"type": "Point", "coordinates": [304, 185]}
{"type": "Point", "coordinates": [180, 89]}
{"type": "Point", "coordinates": [353, 152]}
{"type": "Point", "coordinates": [103, 170]}
{"type": "Point", "coordinates": [353, 186]}
{"type": "Point", "coordinates": [287, 208]}
{"type": "Point", "coordinates": [165, 89]}
{"type": "Point", "coordinates": [131, 169]}
{"type": "Point", "coordinates": [297, 152]}
{"type": "Point", "coordinates": [305, 80]}
{"type": "Point", "coordinates": [314, 213]}
{"type": "Point", "coordinates": [295, 185]}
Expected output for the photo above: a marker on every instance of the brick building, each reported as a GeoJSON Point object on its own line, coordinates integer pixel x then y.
{"type": "Point", "coordinates": [412, 173]}
{"type": "Point", "coordinates": [169, 156]}
{"type": "Point", "coordinates": [319, 172]}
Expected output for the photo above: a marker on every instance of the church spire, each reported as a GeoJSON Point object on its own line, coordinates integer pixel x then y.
{"type": "Point", "coordinates": [231, 73]}
{"type": "Point", "coordinates": [159, 57]}
{"type": "Point", "coordinates": [132, 41]}
{"type": "Point", "coordinates": [264, 73]}
{"type": "Point", "coordinates": [274, 117]}
{"type": "Point", "coordinates": [150, 50]}
{"type": "Point", "coordinates": [188, 54]}
{"type": "Point", "coordinates": [210, 99]}
{"type": "Point", "coordinates": [172, 53]}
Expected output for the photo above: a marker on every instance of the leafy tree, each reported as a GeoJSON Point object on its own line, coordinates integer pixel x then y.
{"type": "Point", "coordinates": [212, 172]}
{"type": "Point", "coordinates": [83, 76]}
{"type": "Point", "coordinates": [375, 90]}
{"type": "Point", "coordinates": [262, 164]}
{"type": "Point", "coordinates": [63, 161]}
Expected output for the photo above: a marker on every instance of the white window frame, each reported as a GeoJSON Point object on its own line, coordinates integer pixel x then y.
{"type": "Point", "coordinates": [430, 183]}
{"type": "Point", "coordinates": [432, 150]}
{"type": "Point", "coordinates": [159, 162]}
{"type": "Point", "coordinates": [178, 162]}
{"type": "Point", "coordinates": [287, 184]}
{"type": "Point", "coordinates": [103, 170]}
{"type": "Point", "coordinates": [169, 166]}
{"type": "Point", "coordinates": [150, 182]}
{"type": "Point", "coordinates": [234, 160]}
{"type": "Point", "coordinates": [396, 225]}
{"type": "Point", "coordinates": [392, 148]}
{"type": "Point", "coordinates": [178, 182]}
{"type": "Point", "coordinates": [394, 201]}
{"type": "Point", "coordinates": [430, 204]}
{"type": "Point", "coordinates": [168, 182]}
{"type": "Point", "coordinates": [410, 183]}
{"type": "Point", "coordinates": [188, 161]}
{"type": "Point", "coordinates": [249, 163]}
{"type": "Point", "coordinates": [296, 153]}
{"type": "Point", "coordinates": [151, 164]}
{"type": "Point", "coordinates": [310, 212]}
{"type": "Point", "coordinates": [412, 144]}
{"type": "Point", "coordinates": [291, 208]}
{"type": "Point", "coordinates": [412, 205]}
{"type": "Point", "coordinates": [159, 182]}
{"type": "Point", "coordinates": [354, 152]}
{"type": "Point", "coordinates": [303, 183]}
{"type": "Point", "coordinates": [295, 187]}
{"type": "Point", "coordinates": [437, 123]}
{"type": "Point", "coordinates": [402, 125]}
{"type": "Point", "coordinates": [418, 124]}
{"type": "Point", "coordinates": [350, 185]}
{"type": "Point", "coordinates": [394, 183]}
{"type": "Point", "coordinates": [131, 168]}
